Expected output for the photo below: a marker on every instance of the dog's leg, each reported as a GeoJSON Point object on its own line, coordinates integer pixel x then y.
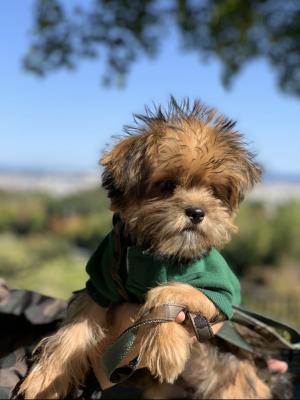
{"type": "Point", "coordinates": [63, 358]}
{"type": "Point", "coordinates": [165, 348]}
{"type": "Point", "coordinates": [213, 373]}
{"type": "Point", "coordinates": [246, 384]}
{"type": "Point", "coordinates": [119, 317]}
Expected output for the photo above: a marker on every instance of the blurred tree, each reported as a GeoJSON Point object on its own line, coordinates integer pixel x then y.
{"type": "Point", "coordinates": [120, 31]}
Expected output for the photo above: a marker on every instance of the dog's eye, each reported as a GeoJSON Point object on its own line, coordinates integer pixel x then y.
{"type": "Point", "coordinates": [167, 186]}
{"type": "Point", "coordinates": [215, 191]}
{"type": "Point", "coordinates": [218, 192]}
{"type": "Point", "coordinates": [222, 193]}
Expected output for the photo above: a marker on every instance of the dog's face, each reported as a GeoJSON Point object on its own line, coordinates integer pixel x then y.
{"type": "Point", "coordinates": [178, 179]}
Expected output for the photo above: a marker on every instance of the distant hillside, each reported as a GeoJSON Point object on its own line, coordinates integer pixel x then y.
{"type": "Point", "coordinates": [56, 183]}
{"type": "Point", "coordinates": [276, 188]}
{"type": "Point", "coordinates": [276, 192]}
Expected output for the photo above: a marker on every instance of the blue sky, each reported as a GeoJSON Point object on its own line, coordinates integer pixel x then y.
{"type": "Point", "coordinates": [65, 120]}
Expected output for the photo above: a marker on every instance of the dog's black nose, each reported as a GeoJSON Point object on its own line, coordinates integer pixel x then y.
{"type": "Point", "coordinates": [196, 215]}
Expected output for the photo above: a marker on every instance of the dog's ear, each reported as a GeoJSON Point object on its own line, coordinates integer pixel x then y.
{"type": "Point", "coordinates": [244, 176]}
{"type": "Point", "coordinates": [125, 166]}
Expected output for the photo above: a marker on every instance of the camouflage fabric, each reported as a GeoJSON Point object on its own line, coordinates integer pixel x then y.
{"type": "Point", "coordinates": [25, 318]}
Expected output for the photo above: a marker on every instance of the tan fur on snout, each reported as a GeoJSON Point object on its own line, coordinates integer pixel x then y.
{"type": "Point", "coordinates": [160, 223]}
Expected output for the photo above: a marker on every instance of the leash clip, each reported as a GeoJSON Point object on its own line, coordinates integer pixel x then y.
{"type": "Point", "coordinates": [201, 326]}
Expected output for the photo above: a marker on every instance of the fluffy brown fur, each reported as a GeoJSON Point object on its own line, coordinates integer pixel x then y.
{"type": "Point", "coordinates": [63, 359]}
{"type": "Point", "coordinates": [157, 353]}
{"type": "Point", "coordinates": [187, 157]}
{"type": "Point", "coordinates": [211, 373]}
{"type": "Point", "coordinates": [217, 370]}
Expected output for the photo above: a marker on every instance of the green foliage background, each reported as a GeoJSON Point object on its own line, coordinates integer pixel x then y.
{"type": "Point", "coordinates": [45, 242]}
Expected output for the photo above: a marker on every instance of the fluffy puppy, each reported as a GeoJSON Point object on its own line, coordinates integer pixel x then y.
{"type": "Point", "coordinates": [175, 180]}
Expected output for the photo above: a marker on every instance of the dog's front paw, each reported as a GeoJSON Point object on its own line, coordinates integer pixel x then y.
{"type": "Point", "coordinates": [165, 350]}
{"type": "Point", "coordinates": [181, 293]}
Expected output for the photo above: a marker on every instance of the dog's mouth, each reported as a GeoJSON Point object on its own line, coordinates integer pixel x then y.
{"type": "Point", "coordinates": [190, 228]}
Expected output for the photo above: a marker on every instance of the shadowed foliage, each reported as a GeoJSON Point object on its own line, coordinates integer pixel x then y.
{"type": "Point", "coordinates": [121, 31]}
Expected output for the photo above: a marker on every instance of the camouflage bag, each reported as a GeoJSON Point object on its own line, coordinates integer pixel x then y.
{"type": "Point", "coordinates": [25, 318]}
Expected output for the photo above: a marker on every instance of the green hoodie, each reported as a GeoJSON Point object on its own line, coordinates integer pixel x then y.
{"type": "Point", "coordinates": [119, 272]}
